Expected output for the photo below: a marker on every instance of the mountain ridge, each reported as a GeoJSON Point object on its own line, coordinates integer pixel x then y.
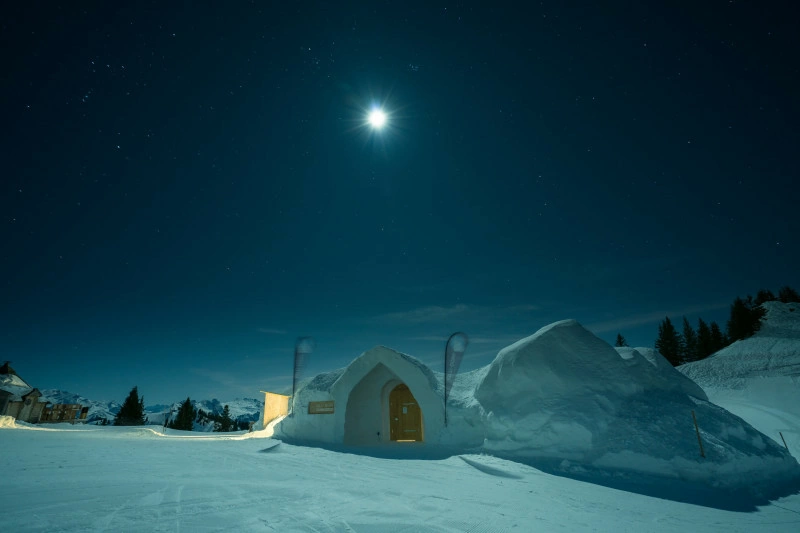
{"type": "Point", "coordinates": [244, 410]}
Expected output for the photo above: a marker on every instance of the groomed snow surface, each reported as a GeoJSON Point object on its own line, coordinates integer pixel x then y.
{"type": "Point", "coordinates": [576, 436]}
{"type": "Point", "coordinates": [136, 479]}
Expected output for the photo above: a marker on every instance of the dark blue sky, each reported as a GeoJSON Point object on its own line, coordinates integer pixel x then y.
{"type": "Point", "coordinates": [188, 189]}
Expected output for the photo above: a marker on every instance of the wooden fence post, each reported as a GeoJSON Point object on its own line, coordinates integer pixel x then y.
{"type": "Point", "coordinates": [784, 441]}
{"type": "Point", "coordinates": [699, 440]}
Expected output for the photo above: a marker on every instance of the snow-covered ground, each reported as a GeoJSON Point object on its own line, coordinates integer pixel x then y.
{"type": "Point", "coordinates": [758, 378]}
{"type": "Point", "coordinates": [90, 478]}
{"type": "Point", "coordinates": [136, 479]}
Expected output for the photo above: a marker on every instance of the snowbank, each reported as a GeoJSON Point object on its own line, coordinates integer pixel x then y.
{"type": "Point", "coordinates": [563, 393]}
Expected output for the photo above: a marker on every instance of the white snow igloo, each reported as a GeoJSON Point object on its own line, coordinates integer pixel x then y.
{"type": "Point", "coordinates": [383, 397]}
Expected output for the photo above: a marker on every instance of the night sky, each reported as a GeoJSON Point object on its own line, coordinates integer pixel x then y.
{"type": "Point", "coordinates": [187, 189]}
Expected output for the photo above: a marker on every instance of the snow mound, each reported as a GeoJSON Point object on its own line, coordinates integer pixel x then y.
{"type": "Point", "coordinates": [565, 394]}
{"type": "Point", "coordinates": [668, 376]}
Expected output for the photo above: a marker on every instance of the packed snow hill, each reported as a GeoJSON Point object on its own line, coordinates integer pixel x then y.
{"type": "Point", "coordinates": [758, 378]}
{"type": "Point", "coordinates": [565, 401]}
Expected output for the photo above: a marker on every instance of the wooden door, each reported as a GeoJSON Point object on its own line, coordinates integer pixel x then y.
{"type": "Point", "coordinates": [405, 417]}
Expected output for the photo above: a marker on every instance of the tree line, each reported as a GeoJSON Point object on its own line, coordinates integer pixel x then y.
{"type": "Point", "coordinates": [690, 344]}
{"type": "Point", "coordinates": [132, 414]}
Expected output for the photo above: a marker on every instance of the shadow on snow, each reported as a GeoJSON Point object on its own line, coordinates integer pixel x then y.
{"type": "Point", "coordinates": [679, 490]}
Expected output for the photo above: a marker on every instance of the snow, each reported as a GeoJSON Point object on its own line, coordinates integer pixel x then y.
{"type": "Point", "coordinates": [361, 392]}
{"type": "Point", "coordinates": [574, 435]}
{"type": "Point", "coordinates": [137, 479]}
{"type": "Point", "coordinates": [773, 353]}
{"type": "Point", "coordinates": [241, 409]}
{"type": "Point", "coordinates": [561, 394]}
{"type": "Point", "coordinates": [15, 385]}
{"type": "Point", "coordinates": [759, 378]}
{"type": "Point", "coordinates": [13, 380]}
{"type": "Point", "coordinates": [98, 410]}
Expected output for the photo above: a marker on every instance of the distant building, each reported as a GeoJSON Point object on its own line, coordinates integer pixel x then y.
{"type": "Point", "coordinates": [17, 398]}
{"type": "Point", "coordinates": [24, 403]}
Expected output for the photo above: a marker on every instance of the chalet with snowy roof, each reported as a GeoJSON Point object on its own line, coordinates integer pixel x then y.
{"type": "Point", "coordinates": [17, 398]}
{"type": "Point", "coordinates": [26, 404]}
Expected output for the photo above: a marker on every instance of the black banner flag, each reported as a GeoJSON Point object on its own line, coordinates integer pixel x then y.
{"type": "Point", "coordinates": [302, 351]}
{"type": "Point", "coordinates": [453, 353]}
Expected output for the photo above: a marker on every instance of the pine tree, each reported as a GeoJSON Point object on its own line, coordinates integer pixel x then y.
{"type": "Point", "coordinates": [225, 423]}
{"type": "Point", "coordinates": [689, 344]}
{"type": "Point", "coordinates": [132, 411]}
{"type": "Point", "coordinates": [764, 295]}
{"type": "Point", "coordinates": [620, 341]}
{"type": "Point", "coordinates": [745, 319]}
{"type": "Point", "coordinates": [704, 345]}
{"type": "Point", "coordinates": [718, 340]}
{"type": "Point", "coordinates": [668, 342]}
{"type": "Point", "coordinates": [788, 295]}
{"type": "Point", "coordinates": [226, 415]}
{"type": "Point", "coordinates": [185, 418]}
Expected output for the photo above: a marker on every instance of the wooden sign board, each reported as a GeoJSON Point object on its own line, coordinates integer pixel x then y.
{"type": "Point", "coordinates": [320, 408]}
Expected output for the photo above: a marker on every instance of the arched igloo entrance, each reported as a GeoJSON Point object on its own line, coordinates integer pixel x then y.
{"type": "Point", "coordinates": [375, 389]}
{"type": "Point", "coordinates": [381, 408]}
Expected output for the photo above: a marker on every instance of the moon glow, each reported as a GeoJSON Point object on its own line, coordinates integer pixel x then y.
{"type": "Point", "coordinates": [377, 119]}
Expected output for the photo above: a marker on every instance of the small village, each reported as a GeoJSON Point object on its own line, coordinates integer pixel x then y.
{"type": "Point", "coordinates": [26, 404]}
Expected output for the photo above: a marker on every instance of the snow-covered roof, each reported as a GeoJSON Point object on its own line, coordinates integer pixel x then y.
{"type": "Point", "coordinates": [14, 385]}
{"type": "Point", "coordinates": [324, 381]}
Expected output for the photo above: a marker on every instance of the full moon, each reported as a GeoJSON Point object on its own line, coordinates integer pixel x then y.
{"type": "Point", "coordinates": [377, 118]}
